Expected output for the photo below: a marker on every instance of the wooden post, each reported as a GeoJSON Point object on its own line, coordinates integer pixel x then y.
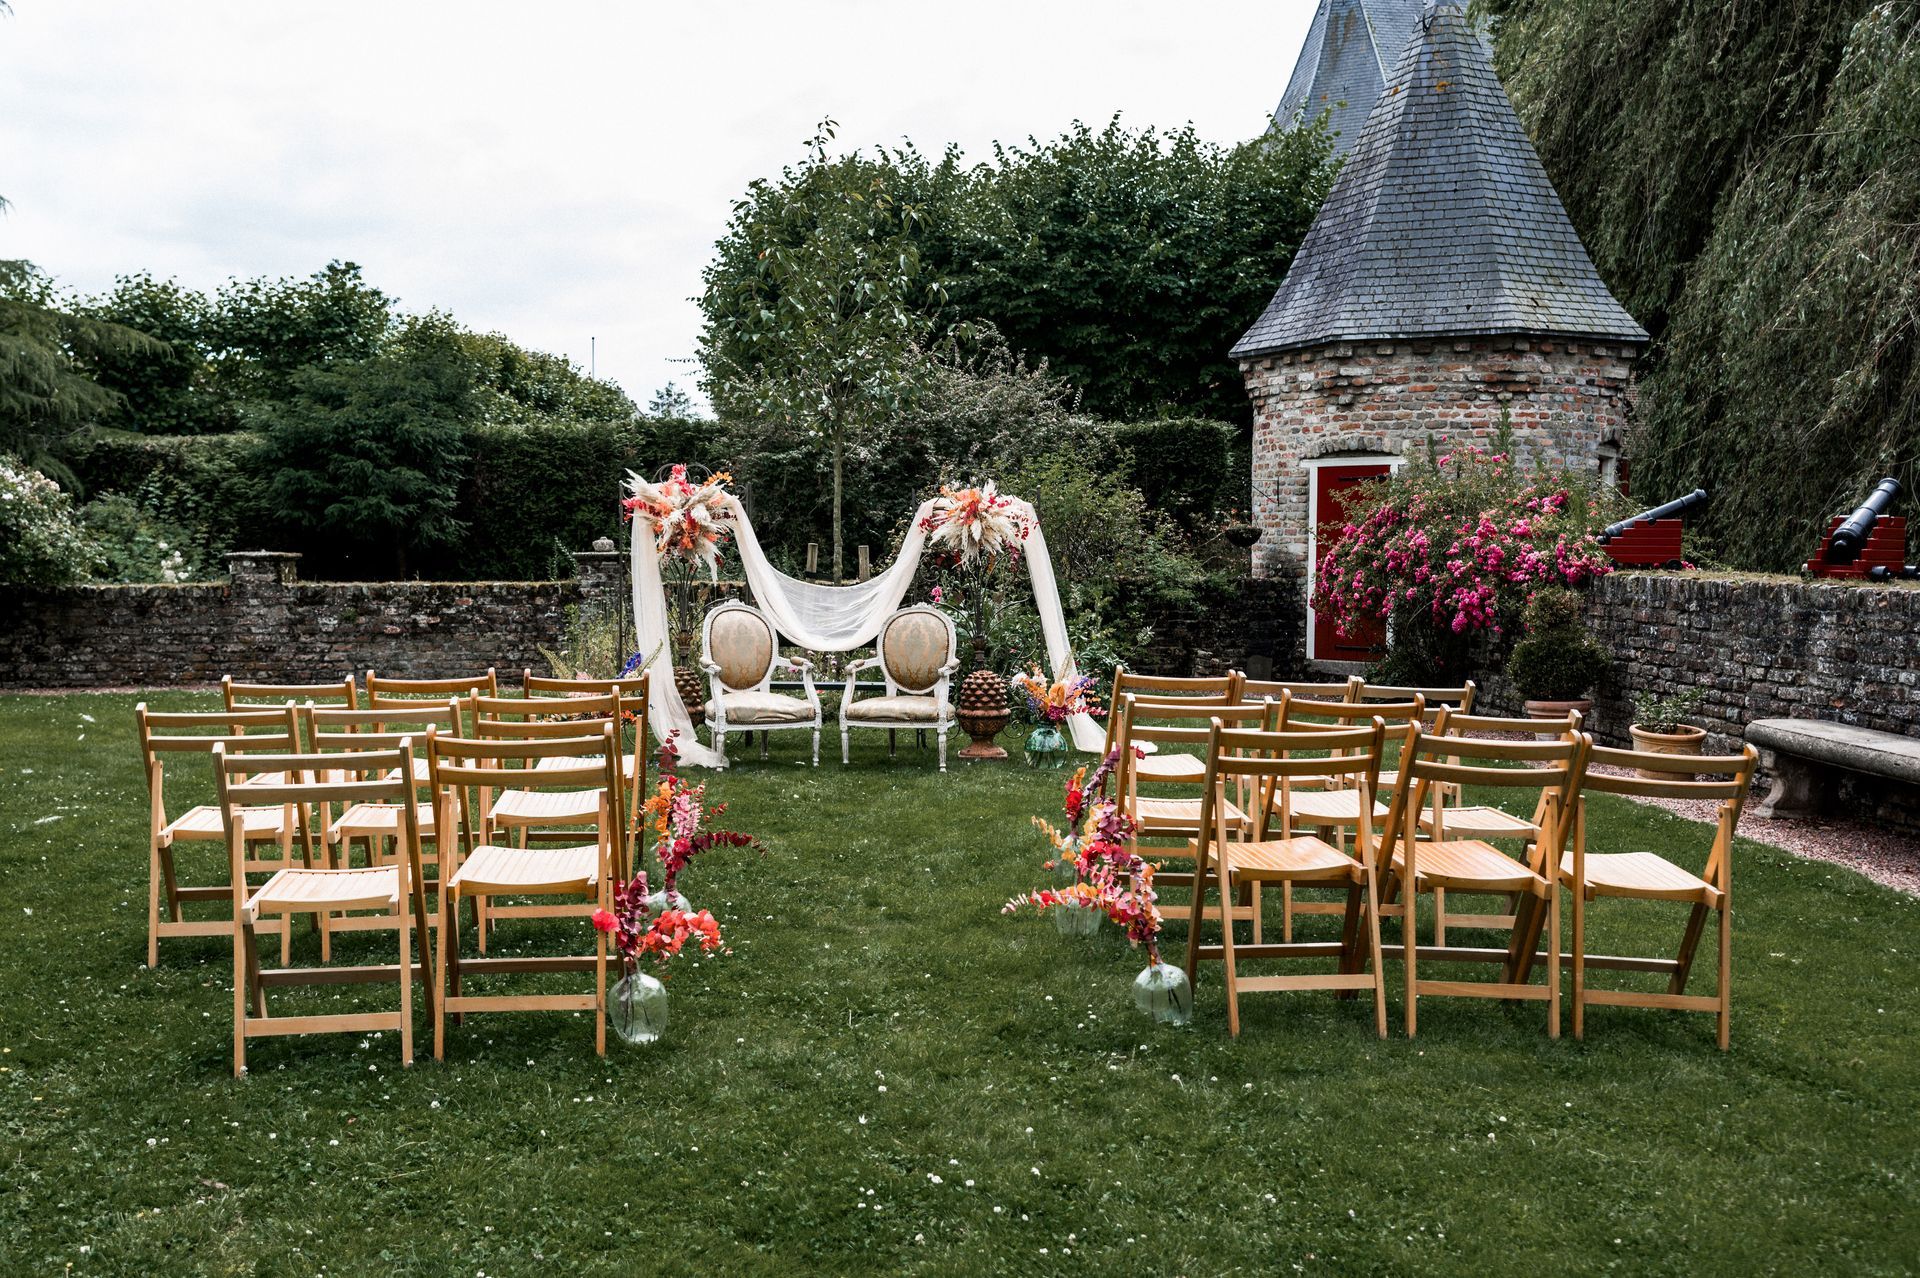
{"type": "Point", "coordinates": [813, 559]}
{"type": "Point", "coordinates": [866, 565]}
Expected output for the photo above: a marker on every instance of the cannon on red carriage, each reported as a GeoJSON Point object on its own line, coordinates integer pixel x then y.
{"type": "Point", "coordinates": [1867, 543]}
{"type": "Point", "coordinates": [1651, 539]}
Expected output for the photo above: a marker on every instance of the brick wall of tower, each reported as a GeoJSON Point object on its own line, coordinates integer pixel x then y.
{"type": "Point", "coordinates": [1561, 398]}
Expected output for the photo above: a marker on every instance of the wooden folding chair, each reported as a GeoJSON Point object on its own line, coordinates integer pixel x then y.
{"type": "Point", "coordinates": [1332, 804]}
{"type": "Point", "coordinates": [1648, 876]}
{"type": "Point", "coordinates": [581, 874]}
{"type": "Point", "coordinates": [394, 893]}
{"type": "Point", "coordinates": [1446, 814]}
{"type": "Point", "coordinates": [1148, 690]}
{"type": "Point", "coordinates": [1230, 859]}
{"type": "Point", "coordinates": [1475, 865]}
{"type": "Point", "coordinates": [171, 734]}
{"type": "Point", "coordinates": [1170, 824]}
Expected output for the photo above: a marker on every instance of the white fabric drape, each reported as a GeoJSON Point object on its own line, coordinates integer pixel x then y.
{"type": "Point", "coordinates": [823, 618]}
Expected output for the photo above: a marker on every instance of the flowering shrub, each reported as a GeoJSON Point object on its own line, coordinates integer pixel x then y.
{"type": "Point", "coordinates": [1454, 546]}
{"type": "Point", "coordinates": [41, 543]}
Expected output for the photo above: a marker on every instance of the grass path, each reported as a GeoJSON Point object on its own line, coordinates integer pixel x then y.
{"type": "Point", "coordinates": [888, 1076]}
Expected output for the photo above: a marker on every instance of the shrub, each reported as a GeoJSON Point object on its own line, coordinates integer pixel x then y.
{"type": "Point", "coordinates": [1452, 547]}
{"type": "Point", "coordinates": [1557, 660]}
{"type": "Point", "coordinates": [41, 543]}
{"type": "Point", "coordinates": [1667, 713]}
{"type": "Point", "coordinates": [134, 544]}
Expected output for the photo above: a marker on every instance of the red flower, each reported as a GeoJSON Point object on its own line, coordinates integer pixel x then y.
{"type": "Point", "coordinates": [604, 921]}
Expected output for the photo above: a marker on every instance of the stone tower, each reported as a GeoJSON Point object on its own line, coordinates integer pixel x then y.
{"type": "Point", "coordinates": [1441, 289]}
{"type": "Point", "coordinates": [1350, 49]}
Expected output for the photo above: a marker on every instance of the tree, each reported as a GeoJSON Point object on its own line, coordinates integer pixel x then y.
{"type": "Point", "coordinates": [818, 316]}
{"type": "Point", "coordinates": [370, 451]}
{"type": "Point", "coordinates": [169, 389]}
{"type": "Point", "coordinates": [47, 398]}
{"type": "Point", "coordinates": [263, 332]}
{"type": "Point", "coordinates": [671, 401]}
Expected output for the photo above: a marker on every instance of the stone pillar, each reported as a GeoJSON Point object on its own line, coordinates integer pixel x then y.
{"type": "Point", "coordinates": [602, 573]}
{"type": "Point", "coordinates": [262, 570]}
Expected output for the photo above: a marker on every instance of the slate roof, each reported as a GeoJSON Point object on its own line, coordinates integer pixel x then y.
{"type": "Point", "coordinates": [1350, 48]}
{"type": "Point", "coordinates": [1442, 222]}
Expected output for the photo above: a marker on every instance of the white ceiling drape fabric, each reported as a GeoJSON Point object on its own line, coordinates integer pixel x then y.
{"type": "Point", "coordinates": [822, 618]}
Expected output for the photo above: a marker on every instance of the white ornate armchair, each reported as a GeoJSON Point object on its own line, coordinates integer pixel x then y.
{"type": "Point", "coordinates": [917, 652]}
{"type": "Point", "coordinates": [740, 650]}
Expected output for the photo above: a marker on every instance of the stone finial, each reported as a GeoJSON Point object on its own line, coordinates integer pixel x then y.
{"type": "Point", "coordinates": [603, 545]}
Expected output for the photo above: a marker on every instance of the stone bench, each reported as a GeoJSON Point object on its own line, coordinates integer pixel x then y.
{"type": "Point", "coordinates": [1803, 754]}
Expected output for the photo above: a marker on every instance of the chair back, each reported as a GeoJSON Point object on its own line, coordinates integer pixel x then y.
{"type": "Point", "coordinates": [1265, 762]}
{"type": "Point", "coordinates": [1553, 768]}
{"type": "Point", "coordinates": [1181, 690]}
{"type": "Point", "coordinates": [377, 727]}
{"type": "Point", "coordinates": [631, 688]}
{"type": "Point", "coordinates": [589, 759]}
{"type": "Point", "coordinates": [739, 639]}
{"type": "Point", "coordinates": [1455, 700]}
{"type": "Point", "coordinates": [389, 689]}
{"type": "Point", "coordinates": [917, 648]}
{"type": "Point", "coordinates": [1462, 724]}
{"type": "Point", "coordinates": [259, 730]}
{"type": "Point", "coordinates": [534, 718]}
{"type": "Point", "coordinates": [238, 695]}
{"type": "Point", "coordinates": [1163, 725]}
{"type": "Point", "coordinates": [1274, 689]}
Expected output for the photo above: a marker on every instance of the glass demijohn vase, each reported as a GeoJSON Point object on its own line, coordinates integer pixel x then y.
{"type": "Point", "coordinates": [1161, 993]}
{"type": "Point", "coordinates": [1046, 748]}
{"type": "Point", "coordinates": [666, 899]}
{"type": "Point", "coordinates": [1072, 920]}
{"type": "Point", "coordinates": [637, 1008]}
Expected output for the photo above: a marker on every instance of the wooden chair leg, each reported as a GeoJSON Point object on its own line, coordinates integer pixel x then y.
{"type": "Point", "coordinates": [402, 925]}
{"type": "Point", "coordinates": [441, 971]}
{"type": "Point", "coordinates": [1725, 981]}
{"type": "Point", "coordinates": [600, 992]}
{"type": "Point", "coordinates": [1439, 917]}
{"type": "Point", "coordinates": [153, 907]}
{"type": "Point", "coordinates": [1579, 964]}
{"type": "Point", "coordinates": [1553, 961]}
{"type": "Point", "coordinates": [1373, 951]}
{"type": "Point", "coordinates": [1226, 955]}
{"type": "Point", "coordinates": [1410, 950]}
{"type": "Point", "coordinates": [1689, 946]}
{"type": "Point", "coordinates": [239, 999]}
{"type": "Point", "coordinates": [1286, 911]}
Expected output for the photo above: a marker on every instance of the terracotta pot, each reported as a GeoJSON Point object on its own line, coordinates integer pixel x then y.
{"type": "Point", "coordinates": [1689, 740]}
{"type": "Point", "coordinates": [1559, 709]}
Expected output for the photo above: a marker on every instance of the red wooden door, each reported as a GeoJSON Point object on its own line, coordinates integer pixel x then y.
{"type": "Point", "coordinates": [1369, 638]}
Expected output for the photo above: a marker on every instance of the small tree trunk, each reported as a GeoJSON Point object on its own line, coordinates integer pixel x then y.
{"type": "Point", "coordinates": [837, 575]}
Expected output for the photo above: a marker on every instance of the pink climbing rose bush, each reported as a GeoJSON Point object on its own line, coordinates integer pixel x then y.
{"type": "Point", "coordinates": [1455, 544]}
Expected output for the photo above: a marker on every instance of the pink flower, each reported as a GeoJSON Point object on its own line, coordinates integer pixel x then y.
{"type": "Point", "coordinates": [937, 595]}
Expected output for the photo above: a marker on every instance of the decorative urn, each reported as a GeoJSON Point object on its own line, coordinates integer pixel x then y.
{"type": "Point", "coordinates": [983, 712]}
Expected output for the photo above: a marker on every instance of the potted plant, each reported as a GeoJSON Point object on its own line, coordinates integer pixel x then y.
{"type": "Point", "coordinates": [1557, 664]}
{"type": "Point", "coordinates": [1660, 726]}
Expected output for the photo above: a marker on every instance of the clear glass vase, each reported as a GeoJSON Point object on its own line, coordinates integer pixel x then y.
{"type": "Point", "coordinates": [664, 900]}
{"type": "Point", "coordinates": [1076, 920]}
{"type": "Point", "coordinates": [1162, 994]}
{"type": "Point", "coordinates": [637, 1008]}
{"type": "Point", "coordinates": [1046, 748]}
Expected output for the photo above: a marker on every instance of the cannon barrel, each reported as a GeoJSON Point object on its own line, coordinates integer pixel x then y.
{"type": "Point", "coordinates": [1672, 510]}
{"type": "Point", "coordinates": [1851, 536]}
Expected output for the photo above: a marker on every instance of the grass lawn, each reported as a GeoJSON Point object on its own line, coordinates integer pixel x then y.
{"type": "Point", "coordinates": [888, 1076]}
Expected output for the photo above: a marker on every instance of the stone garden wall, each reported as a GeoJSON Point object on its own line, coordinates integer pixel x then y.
{"type": "Point", "coordinates": [265, 624]}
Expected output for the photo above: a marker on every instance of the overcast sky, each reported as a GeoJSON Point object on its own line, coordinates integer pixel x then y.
{"type": "Point", "coordinates": [556, 171]}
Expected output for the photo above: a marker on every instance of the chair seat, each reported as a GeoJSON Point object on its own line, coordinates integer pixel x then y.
{"type": "Point", "coordinates": [902, 709]}
{"type": "Point", "coordinates": [496, 869]}
{"type": "Point", "coordinates": [372, 887]}
{"type": "Point", "coordinates": [1170, 767]}
{"type": "Point", "coordinates": [1469, 863]}
{"type": "Point", "coordinates": [1303, 857]}
{"type": "Point", "coordinates": [627, 763]}
{"type": "Point", "coordinates": [1646, 875]}
{"type": "Point", "coordinates": [530, 807]}
{"type": "Point", "coordinates": [756, 708]}
{"type": "Point", "coordinates": [379, 819]}
{"type": "Point", "coordinates": [204, 823]}
{"type": "Point", "coordinates": [1178, 816]}
{"type": "Point", "coordinates": [1479, 823]}
{"type": "Point", "coordinates": [1333, 807]}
